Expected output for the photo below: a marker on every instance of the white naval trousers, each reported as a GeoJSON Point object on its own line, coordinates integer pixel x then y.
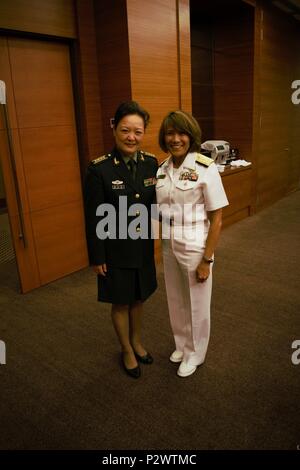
{"type": "Point", "coordinates": [188, 300]}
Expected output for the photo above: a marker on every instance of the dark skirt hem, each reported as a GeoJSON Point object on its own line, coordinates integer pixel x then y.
{"type": "Point", "coordinates": [126, 286]}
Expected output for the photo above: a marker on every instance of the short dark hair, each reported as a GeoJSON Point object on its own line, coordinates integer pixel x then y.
{"type": "Point", "coordinates": [181, 122]}
{"type": "Point", "coordinates": [130, 107]}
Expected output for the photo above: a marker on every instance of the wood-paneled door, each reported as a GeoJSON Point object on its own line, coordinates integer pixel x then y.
{"type": "Point", "coordinates": [41, 169]}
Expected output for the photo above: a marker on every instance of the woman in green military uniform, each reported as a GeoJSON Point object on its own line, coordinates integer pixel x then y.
{"type": "Point", "coordinates": [123, 263]}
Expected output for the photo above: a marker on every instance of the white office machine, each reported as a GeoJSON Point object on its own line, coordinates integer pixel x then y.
{"type": "Point", "coordinates": [219, 150]}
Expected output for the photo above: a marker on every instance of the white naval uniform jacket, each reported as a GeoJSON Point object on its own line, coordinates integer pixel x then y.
{"type": "Point", "coordinates": [197, 188]}
{"type": "Point", "coordinates": [186, 194]}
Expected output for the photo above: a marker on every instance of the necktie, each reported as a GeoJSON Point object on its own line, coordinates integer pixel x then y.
{"type": "Point", "coordinates": [132, 167]}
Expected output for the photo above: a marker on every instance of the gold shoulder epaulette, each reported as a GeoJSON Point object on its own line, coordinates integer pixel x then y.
{"type": "Point", "coordinates": [203, 160]}
{"type": "Point", "coordinates": [147, 154]}
{"type": "Point", "coordinates": [99, 159]}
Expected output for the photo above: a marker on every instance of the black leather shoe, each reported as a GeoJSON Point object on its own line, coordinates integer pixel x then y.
{"type": "Point", "coordinates": [146, 359]}
{"type": "Point", "coordinates": [135, 372]}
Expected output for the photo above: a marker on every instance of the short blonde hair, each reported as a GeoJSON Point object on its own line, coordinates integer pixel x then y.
{"type": "Point", "coordinates": [181, 122]}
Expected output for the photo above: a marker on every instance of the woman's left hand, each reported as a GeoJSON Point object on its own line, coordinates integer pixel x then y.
{"type": "Point", "coordinates": [202, 271]}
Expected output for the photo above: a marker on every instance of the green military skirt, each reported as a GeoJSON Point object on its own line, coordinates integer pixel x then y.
{"type": "Point", "coordinates": [126, 286]}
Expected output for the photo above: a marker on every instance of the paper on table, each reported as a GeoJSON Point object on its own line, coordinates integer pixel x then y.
{"type": "Point", "coordinates": [240, 163]}
{"type": "Point", "coordinates": [221, 168]}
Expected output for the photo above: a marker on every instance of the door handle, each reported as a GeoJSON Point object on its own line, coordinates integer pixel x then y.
{"type": "Point", "coordinates": [12, 161]}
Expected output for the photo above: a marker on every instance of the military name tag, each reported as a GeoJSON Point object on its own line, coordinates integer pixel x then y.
{"type": "Point", "coordinates": [117, 184]}
{"type": "Point", "coordinates": [150, 181]}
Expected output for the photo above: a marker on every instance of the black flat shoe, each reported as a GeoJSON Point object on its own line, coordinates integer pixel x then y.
{"type": "Point", "coordinates": [135, 372]}
{"type": "Point", "coordinates": [146, 359]}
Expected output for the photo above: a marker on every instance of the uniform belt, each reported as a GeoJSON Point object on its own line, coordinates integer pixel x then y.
{"type": "Point", "coordinates": [171, 223]}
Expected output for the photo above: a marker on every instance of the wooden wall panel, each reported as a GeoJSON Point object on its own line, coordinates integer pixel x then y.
{"type": "Point", "coordinates": [202, 74]}
{"type": "Point", "coordinates": [159, 60]}
{"type": "Point", "coordinates": [275, 139]}
{"type": "Point", "coordinates": [233, 79]}
{"type": "Point", "coordinates": [256, 122]}
{"type": "Point", "coordinates": [113, 60]}
{"type": "Point", "coordinates": [222, 72]}
{"type": "Point", "coordinates": [294, 129]}
{"type": "Point", "coordinates": [143, 60]}
{"type": "Point", "coordinates": [222, 77]}
{"type": "Point", "coordinates": [152, 29]}
{"type": "Point", "coordinates": [184, 54]}
{"type": "Point", "coordinates": [88, 77]}
{"type": "Point", "coordinates": [53, 17]}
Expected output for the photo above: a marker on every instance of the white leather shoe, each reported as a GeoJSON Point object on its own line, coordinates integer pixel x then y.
{"type": "Point", "coordinates": [185, 370]}
{"type": "Point", "coordinates": [176, 356]}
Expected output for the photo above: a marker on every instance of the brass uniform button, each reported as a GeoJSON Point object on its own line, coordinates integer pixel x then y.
{"type": "Point", "coordinates": [138, 229]}
{"type": "Point", "coordinates": [137, 196]}
{"type": "Point", "coordinates": [137, 213]}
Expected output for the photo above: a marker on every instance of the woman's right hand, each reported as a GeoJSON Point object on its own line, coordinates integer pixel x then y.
{"type": "Point", "coordinates": [100, 269]}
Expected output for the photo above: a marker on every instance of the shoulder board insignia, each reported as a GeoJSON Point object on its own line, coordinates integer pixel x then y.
{"type": "Point", "coordinates": [203, 160]}
{"type": "Point", "coordinates": [147, 154]}
{"type": "Point", "coordinates": [99, 159]}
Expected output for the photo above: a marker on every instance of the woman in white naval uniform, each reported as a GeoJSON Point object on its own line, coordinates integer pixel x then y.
{"type": "Point", "coordinates": [190, 197]}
